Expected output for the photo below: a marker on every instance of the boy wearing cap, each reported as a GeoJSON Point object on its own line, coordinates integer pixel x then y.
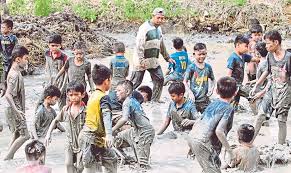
{"type": "Point", "coordinates": [149, 44]}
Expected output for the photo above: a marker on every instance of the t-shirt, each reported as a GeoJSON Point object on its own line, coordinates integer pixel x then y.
{"type": "Point", "coordinates": [43, 119]}
{"type": "Point", "coordinates": [217, 112]}
{"type": "Point", "coordinates": [280, 78]}
{"type": "Point", "coordinates": [7, 45]}
{"type": "Point", "coordinates": [186, 111]}
{"type": "Point", "coordinates": [53, 66]}
{"type": "Point", "coordinates": [237, 63]}
{"type": "Point", "coordinates": [279, 69]}
{"type": "Point", "coordinates": [132, 109]}
{"type": "Point", "coordinates": [34, 167]}
{"type": "Point", "coordinates": [199, 80]}
{"type": "Point", "coordinates": [15, 80]}
{"type": "Point", "coordinates": [73, 126]}
{"type": "Point", "coordinates": [119, 66]}
{"type": "Point", "coordinates": [182, 61]}
{"type": "Point", "coordinates": [247, 158]}
{"type": "Point", "coordinates": [77, 73]}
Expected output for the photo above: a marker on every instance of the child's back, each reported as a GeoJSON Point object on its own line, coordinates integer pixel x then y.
{"type": "Point", "coordinates": [119, 66]}
{"type": "Point", "coordinates": [247, 157]}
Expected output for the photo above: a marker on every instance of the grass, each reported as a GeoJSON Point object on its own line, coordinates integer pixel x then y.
{"type": "Point", "coordinates": [235, 2]}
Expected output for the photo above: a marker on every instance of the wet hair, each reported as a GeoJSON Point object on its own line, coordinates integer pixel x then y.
{"type": "Point", "coordinates": [34, 150]}
{"type": "Point", "coordinates": [256, 29]}
{"type": "Point", "coordinates": [100, 73]}
{"type": "Point", "coordinates": [273, 35]}
{"type": "Point", "coordinates": [127, 85]}
{"type": "Point", "coordinates": [52, 91]}
{"type": "Point", "coordinates": [246, 133]}
{"type": "Point", "coordinates": [288, 50]}
{"type": "Point", "coordinates": [56, 38]}
{"type": "Point", "coordinates": [178, 43]}
{"type": "Point", "coordinates": [184, 48]}
{"type": "Point", "coordinates": [261, 48]}
{"type": "Point", "coordinates": [176, 88]}
{"type": "Point", "coordinates": [226, 87]}
{"type": "Point", "coordinates": [79, 45]}
{"type": "Point", "coordinates": [75, 86]}
{"type": "Point", "coordinates": [119, 47]}
{"type": "Point", "coordinates": [8, 23]}
{"type": "Point", "coordinates": [146, 89]}
{"type": "Point", "coordinates": [254, 21]}
{"type": "Point", "coordinates": [239, 39]}
{"type": "Point", "coordinates": [19, 51]}
{"type": "Point", "coordinates": [137, 95]}
{"type": "Point", "coordinates": [199, 46]}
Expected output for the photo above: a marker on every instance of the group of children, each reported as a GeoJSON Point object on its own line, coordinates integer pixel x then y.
{"type": "Point", "coordinates": [98, 126]}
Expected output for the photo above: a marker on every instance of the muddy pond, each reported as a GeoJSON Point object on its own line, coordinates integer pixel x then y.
{"type": "Point", "coordinates": [167, 155]}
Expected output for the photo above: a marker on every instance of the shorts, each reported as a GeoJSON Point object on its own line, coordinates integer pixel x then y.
{"type": "Point", "coordinates": [281, 102]}
{"type": "Point", "coordinates": [15, 123]}
{"type": "Point", "coordinates": [174, 77]}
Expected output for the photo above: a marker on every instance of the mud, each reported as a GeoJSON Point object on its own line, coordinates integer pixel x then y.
{"type": "Point", "coordinates": [167, 155]}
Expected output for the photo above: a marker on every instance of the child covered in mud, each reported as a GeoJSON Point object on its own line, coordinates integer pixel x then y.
{"type": "Point", "coordinates": [7, 43]}
{"type": "Point", "coordinates": [96, 137]}
{"type": "Point", "coordinates": [176, 70]}
{"type": "Point", "coordinates": [146, 92]}
{"type": "Point", "coordinates": [119, 66]}
{"type": "Point", "coordinates": [54, 61]}
{"type": "Point", "coordinates": [208, 134]}
{"type": "Point", "coordinates": [181, 111]}
{"type": "Point", "coordinates": [201, 77]}
{"type": "Point", "coordinates": [73, 114]}
{"type": "Point", "coordinates": [246, 154]}
{"type": "Point", "coordinates": [77, 69]}
{"type": "Point", "coordinates": [15, 96]}
{"type": "Point", "coordinates": [235, 66]}
{"type": "Point", "coordinates": [35, 152]}
{"type": "Point", "coordinates": [45, 114]}
{"type": "Point", "coordinates": [279, 69]}
{"type": "Point", "coordinates": [142, 133]}
{"type": "Point", "coordinates": [256, 36]}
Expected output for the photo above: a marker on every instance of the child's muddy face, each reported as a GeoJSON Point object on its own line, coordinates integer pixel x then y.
{"type": "Point", "coordinates": [158, 19]}
{"type": "Point", "coordinates": [74, 96]}
{"type": "Point", "coordinates": [54, 47]}
{"type": "Point", "coordinates": [177, 97]}
{"type": "Point", "coordinates": [257, 36]}
{"type": "Point", "coordinates": [5, 29]}
{"type": "Point", "coordinates": [53, 100]}
{"type": "Point", "coordinates": [242, 48]}
{"type": "Point", "coordinates": [79, 54]}
{"type": "Point", "coordinates": [22, 62]}
{"type": "Point", "coordinates": [271, 46]}
{"type": "Point", "coordinates": [200, 55]}
{"type": "Point", "coordinates": [121, 92]}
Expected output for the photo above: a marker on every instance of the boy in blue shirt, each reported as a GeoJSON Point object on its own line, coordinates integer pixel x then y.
{"type": "Point", "coordinates": [181, 111]}
{"type": "Point", "coordinates": [119, 66]}
{"type": "Point", "coordinates": [199, 73]}
{"type": "Point", "coordinates": [236, 63]}
{"type": "Point", "coordinates": [208, 134]}
{"type": "Point", "coordinates": [7, 44]}
{"type": "Point", "coordinates": [176, 70]}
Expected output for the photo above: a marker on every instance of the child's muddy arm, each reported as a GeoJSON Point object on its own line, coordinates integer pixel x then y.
{"type": "Point", "coordinates": [107, 119]}
{"type": "Point", "coordinates": [220, 133]}
{"type": "Point", "coordinates": [211, 87]}
{"type": "Point", "coordinates": [260, 80]}
{"type": "Point", "coordinates": [229, 72]}
{"type": "Point", "coordinates": [91, 83]}
{"type": "Point", "coordinates": [164, 51]}
{"type": "Point", "coordinates": [8, 95]}
{"type": "Point", "coordinates": [53, 126]}
{"type": "Point", "coordinates": [59, 74]}
{"type": "Point", "coordinates": [120, 123]}
{"type": "Point", "coordinates": [34, 122]}
{"type": "Point", "coordinates": [164, 126]}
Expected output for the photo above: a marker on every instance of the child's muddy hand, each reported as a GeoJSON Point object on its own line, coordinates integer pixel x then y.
{"type": "Point", "coordinates": [47, 140]}
{"type": "Point", "coordinates": [21, 114]}
{"type": "Point", "coordinates": [109, 141]}
{"type": "Point", "coordinates": [186, 122]}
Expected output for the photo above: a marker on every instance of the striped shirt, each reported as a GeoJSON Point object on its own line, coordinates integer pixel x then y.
{"type": "Point", "coordinates": [149, 43]}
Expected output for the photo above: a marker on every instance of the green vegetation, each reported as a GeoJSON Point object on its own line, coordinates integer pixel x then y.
{"type": "Point", "coordinates": [236, 2]}
{"type": "Point", "coordinates": [114, 9]}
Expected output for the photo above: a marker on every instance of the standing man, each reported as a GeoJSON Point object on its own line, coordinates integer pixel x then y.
{"type": "Point", "coordinates": [149, 43]}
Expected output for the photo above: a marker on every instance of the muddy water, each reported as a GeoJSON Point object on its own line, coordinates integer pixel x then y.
{"type": "Point", "coordinates": [168, 155]}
